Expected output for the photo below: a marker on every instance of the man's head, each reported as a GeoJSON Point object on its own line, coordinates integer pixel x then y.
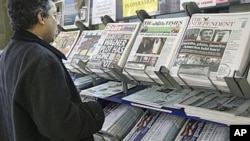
{"type": "Point", "coordinates": [152, 61]}
{"type": "Point", "coordinates": [36, 16]}
{"type": "Point", "coordinates": [206, 34]}
{"type": "Point", "coordinates": [220, 35]}
{"type": "Point", "coordinates": [146, 40]}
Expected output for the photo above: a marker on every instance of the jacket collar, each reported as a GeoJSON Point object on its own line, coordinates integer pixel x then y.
{"type": "Point", "coordinates": [28, 36]}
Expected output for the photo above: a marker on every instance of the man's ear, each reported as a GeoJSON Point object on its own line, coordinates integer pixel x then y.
{"type": "Point", "coordinates": [40, 18]}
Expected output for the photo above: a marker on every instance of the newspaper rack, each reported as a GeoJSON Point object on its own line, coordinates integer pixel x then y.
{"type": "Point", "coordinates": [97, 64]}
{"type": "Point", "coordinates": [114, 72]}
{"type": "Point", "coordinates": [202, 70]}
{"type": "Point", "coordinates": [83, 66]}
{"type": "Point", "coordinates": [165, 77]}
{"type": "Point", "coordinates": [238, 85]}
{"type": "Point", "coordinates": [191, 8]}
{"type": "Point", "coordinates": [142, 68]}
{"type": "Point", "coordinates": [117, 70]}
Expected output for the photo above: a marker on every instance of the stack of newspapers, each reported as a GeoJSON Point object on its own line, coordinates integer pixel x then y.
{"type": "Point", "coordinates": [106, 89]}
{"type": "Point", "coordinates": [159, 96]}
{"type": "Point", "coordinates": [156, 45]}
{"type": "Point", "coordinates": [156, 126]}
{"type": "Point", "coordinates": [83, 50]}
{"type": "Point", "coordinates": [119, 120]}
{"type": "Point", "coordinates": [215, 46]}
{"type": "Point", "coordinates": [65, 42]}
{"type": "Point", "coordinates": [197, 130]}
{"type": "Point", "coordinates": [113, 47]}
{"type": "Point", "coordinates": [218, 107]}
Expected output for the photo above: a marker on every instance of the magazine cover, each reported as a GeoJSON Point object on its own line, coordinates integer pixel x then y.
{"type": "Point", "coordinates": [209, 49]}
{"type": "Point", "coordinates": [156, 45]}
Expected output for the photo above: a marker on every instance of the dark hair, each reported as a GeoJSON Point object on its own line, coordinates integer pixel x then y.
{"type": "Point", "coordinates": [203, 30]}
{"type": "Point", "coordinates": [23, 13]}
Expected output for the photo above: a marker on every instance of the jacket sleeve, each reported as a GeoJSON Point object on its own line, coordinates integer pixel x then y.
{"type": "Point", "coordinates": [53, 111]}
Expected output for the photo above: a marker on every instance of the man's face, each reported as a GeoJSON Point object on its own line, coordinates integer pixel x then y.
{"type": "Point", "coordinates": [206, 35]}
{"type": "Point", "coordinates": [152, 61]}
{"type": "Point", "coordinates": [52, 23]}
{"type": "Point", "coordinates": [221, 33]}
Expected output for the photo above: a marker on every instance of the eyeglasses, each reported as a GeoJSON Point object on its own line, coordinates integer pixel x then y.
{"type": "Point", "coordinates": [57, 16]}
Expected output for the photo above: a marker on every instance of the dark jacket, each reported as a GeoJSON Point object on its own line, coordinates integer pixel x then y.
{"type": "Point", "coordinates": [38, 99]}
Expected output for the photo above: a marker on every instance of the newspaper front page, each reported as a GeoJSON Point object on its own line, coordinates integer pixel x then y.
{"type": "Point", "coordinates": [155, 45]}
{"type": "Point", "coordinates": [114, 46]}
{"type": "Point", "coordinates": [65, 41]}
{"type": "Point", "coordinates": [84, 48]}
{"type": "Point", "coordinates": [218, 42]}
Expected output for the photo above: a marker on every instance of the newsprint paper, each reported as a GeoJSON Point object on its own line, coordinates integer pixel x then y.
{"type": "Point", "coordinates": [113, 47]}
{"type": "Point", "coordinates": [214, 47]}
{"type": "Point", "coordinates": [156, 45]}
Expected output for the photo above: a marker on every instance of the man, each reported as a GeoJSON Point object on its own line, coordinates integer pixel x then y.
{"type": "Point", "coordinates": [152, 61]}
{"type": "Point", "coordinates": [38, 99]}
{"type": "Point", "coordinates": [145, 46]}
{"type": "Point", "coordinates": [206, 34]}
{"type": "Point", "coordinates": [220, 36]}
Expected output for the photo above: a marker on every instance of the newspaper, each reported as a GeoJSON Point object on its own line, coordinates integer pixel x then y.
{"type": "Point", "coordinates": [214, 132]}
{"type": "Point", "coordinates": [120, 119]}
{"type": "Point", "coordinates": [156, 45]}
{"type": "Point", "coordinates": [84, 48]}
{"type": "Point", "coordinates": [197, 130]}
{"type": "Point", "coordinates": [142, 126]}
{"type": "Point", "coordinates": [159, 96]}
{"type": "Point", "coordinates": [165, 128]}
{"type": "Point", "coordinates": [65, 41]}
{"type": "Point", "coordinates": [113, 46]}
{"type": "Point", "coordinates": [191, 130]}
{"type": "Point", "coordinates": [218, 41]}
{"type": "Point", "coordinates": [218, 107]}
{"type": "Point", "coordinates": [215, 103]}
{"type": "Point", "coordinates": [105, 90]}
